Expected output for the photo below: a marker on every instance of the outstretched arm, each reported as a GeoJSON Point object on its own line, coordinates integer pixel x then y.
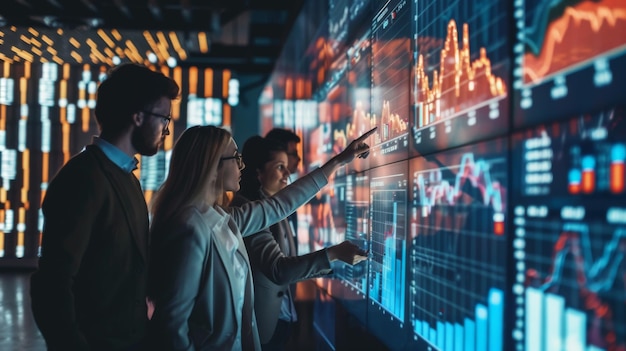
{"type": "Point", "coordinates": [257, 215]}
{"type": "Point", "coordinates": [265, 255]}
{"type": "Point", "coordinates": [357, 148]}
{"type": "Point", "coordinates": [347, 252]}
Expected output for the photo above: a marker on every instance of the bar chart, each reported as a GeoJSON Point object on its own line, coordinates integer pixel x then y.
{"type": "Point", "coordinates": [458, 248]}
{"type": "Point", "coordinates": [387, 274]}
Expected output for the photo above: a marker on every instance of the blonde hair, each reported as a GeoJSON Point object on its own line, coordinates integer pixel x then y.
{"type": "Point", "coordinates": [195, 158]}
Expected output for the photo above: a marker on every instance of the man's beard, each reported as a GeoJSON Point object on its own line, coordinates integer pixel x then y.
{"type": "Point", "coordinates": [142, 140]}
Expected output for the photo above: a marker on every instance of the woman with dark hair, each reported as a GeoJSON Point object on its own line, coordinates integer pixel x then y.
{"type": "Point", "coordinates": [200, 279]}
{"type": "Point", "coordinates": [275, 264]}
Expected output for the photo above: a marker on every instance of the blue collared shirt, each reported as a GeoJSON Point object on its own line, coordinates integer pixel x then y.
{"type": "Point", "coordinates": [117, 156]}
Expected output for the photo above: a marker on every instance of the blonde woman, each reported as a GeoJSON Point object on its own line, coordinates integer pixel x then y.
{"type": "Point", "coordinates": [200, 278]}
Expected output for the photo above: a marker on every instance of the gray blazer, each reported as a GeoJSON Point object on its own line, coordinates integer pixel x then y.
{"type": "Point", "coordinates": [191, 278]}
{"type": "Point", "coordinates": [273, 271]}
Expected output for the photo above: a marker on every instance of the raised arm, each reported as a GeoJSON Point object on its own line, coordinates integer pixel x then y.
{"type": "Point", "coordinates": [357, 148]}
{"type": "Point", "coordinates": [257, 215]}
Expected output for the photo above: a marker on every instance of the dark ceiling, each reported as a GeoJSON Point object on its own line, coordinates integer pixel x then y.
{"type": "Point", "coordinates": [245, 35]}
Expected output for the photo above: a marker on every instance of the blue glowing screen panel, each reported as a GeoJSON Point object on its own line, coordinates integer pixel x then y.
{"type": "Point", "coordinates": [350, 209]}
{"type": "Point", "coordinates": [492, 201]}
{"type": "Point", "coordinates": [458, 250]}
{"type": "Point", "coordinates": [570, 234]}
{"type": "Point", "coordinates": [387, 278]}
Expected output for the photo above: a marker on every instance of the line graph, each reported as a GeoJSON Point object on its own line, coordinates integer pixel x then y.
{"type": "Point", "coordinates": [596, 275]}
{"type": "Point", "coordinates": [460, 84]}
{"type": "Point", "coordinates": [458, 248]}
{"type": "Point", "coordinates": [568, 57]}
{"type": "Point", "coordinates": [574, 295]}
{"type": "Point", "coordinates": [359, 92]}
{"type": "Point", "coordinates": [469, 170]}
{"type": "Point", "coordinates": [552, 46]}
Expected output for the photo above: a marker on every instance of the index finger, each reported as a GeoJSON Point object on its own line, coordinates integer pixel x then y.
{"type": "Point", "coordinates": [366, 134]}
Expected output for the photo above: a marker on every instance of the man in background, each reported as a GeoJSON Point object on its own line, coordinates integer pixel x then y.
{"type": "Point", "coordinates": [89, 292]}
{"type": "Point", "coordinates": [304, 295]}
{"type": "Point", "coordinates": [291, 141]}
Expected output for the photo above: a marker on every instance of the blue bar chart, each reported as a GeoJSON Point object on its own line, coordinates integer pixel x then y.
{"type": "Point", "coordinates": [458, 248]}
{"type": "Point", "coordinates": [387, 272]}
{"type": "Point", "coordinates": [570, 235]}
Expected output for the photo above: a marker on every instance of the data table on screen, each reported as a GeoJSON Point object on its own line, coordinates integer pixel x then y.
{"type": "Point", "coordinates": [570, 234]}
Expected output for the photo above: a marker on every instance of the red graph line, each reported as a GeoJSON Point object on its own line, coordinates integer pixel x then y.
{"type": "Point", "coordinates": [592, 23]}
{"type": "Point", "coordinates": [459, 83]}
{"type": "Point", "coordinates": [475, 171]}
{"type": "Point", "coordinates": [390, 126]}
{"type": "Point", "coordinates": [570, 243]}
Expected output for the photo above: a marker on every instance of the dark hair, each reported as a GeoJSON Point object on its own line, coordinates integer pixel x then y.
{"type": "Point", "coordinates": [130, 88]}
{"type": "Point", "coordinates": [283, 135]}
{"type": "Point", "coordinates": [256, 152]}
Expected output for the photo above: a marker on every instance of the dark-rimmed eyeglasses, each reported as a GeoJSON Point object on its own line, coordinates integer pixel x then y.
{"type": "Point", "coordinates": [166, 119]}
{"type": "Point", "coordinates": [238, 157]}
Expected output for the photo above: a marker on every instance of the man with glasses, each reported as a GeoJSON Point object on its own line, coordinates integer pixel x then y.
{"type": "Point", "coordinates": [89, 292]}
{"type": "Point", "coordinates": [166, 120]}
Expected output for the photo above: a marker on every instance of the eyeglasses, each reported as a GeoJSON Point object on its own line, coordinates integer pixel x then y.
{"type": "Point", "coordinates": [166, 119]}
{"type": "Point", "coordinates": [238, 157]}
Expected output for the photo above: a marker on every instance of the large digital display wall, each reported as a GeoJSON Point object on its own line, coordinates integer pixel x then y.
{"type": "Point", "coordinates": [492, 202]}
